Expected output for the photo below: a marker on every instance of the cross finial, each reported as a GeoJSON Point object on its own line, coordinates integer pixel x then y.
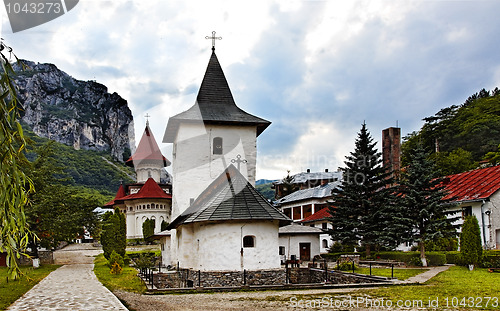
{"type": "Point", "coordinates": [238, 161]}
{"type": "Point", "coordinates": [147, 116]}
{"type": "Point", "coordinates": [213, 37]}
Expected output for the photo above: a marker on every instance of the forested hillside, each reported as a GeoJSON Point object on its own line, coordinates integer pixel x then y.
{"type": "Point", "coordinates": [83, 168]}
{"type": "Point", "coordinates": [460, 136]}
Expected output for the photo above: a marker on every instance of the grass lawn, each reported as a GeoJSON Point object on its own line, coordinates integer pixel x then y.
{"type": "Point", "coordinates": [12, 290]}
{"type": "Point", "coordinates": [127, 280]}
{"type": "Point", "coordinates": [399, 273]}
{"type": "Point", "coordinates": [457, 289]}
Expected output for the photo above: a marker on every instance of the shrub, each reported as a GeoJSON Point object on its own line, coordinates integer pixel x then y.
{"type": "Point", "coordinates": [415, 261]}
{"type": "Point", "coordinates": [436, 259]}
{"type": "Point", "coordinates": [346, 266]}
{"type": "Point", "coordinates": [116, 263]}
{"type": "Point", "coordinates": [115, 258]}
{"type": "Point", "coordinates": [453, 258]}
{"type": "Point", "coordinates": [336, 248]}
{"type": "Point", "coordinates": [144, 261]}
{"type": "Point", "coordinates": [470, 241]}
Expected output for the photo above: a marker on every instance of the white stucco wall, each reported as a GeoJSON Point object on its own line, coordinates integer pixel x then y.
{"type": "Point", "coordinates": [291, 243]}
{"type": "Point", "coordinates": [165, 250]}
{"type": "Point", "coordinates": [146, 170]}
{"type": "Point", "coordinates": [194, 164]}
{"type": "Point", "coordinates": [137, 212]}
{"type": "Point", "coordinates": [217, 246]}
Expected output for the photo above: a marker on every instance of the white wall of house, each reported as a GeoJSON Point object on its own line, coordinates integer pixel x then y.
{"type": "Point", "coordinates": [218, 246]}
{"type": "Point", "coordinates": [291, 243]}
{"type": "Point", "coordinates": [195, 165]}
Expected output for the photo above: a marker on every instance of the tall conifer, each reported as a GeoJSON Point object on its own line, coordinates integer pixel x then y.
{"type": "Point", "coordinates": [425, 210]}
{"type": "Point", "coordinates": [361, 202]}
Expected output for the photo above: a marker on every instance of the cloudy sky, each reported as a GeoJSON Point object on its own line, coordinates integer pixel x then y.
{"type": "Point", "coordinates": [316, 69]}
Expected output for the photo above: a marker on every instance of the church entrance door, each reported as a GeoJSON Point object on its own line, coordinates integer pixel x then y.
{"type": "Point", "coordinates": [305, 251]}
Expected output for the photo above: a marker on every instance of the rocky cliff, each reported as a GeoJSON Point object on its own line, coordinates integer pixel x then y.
{"type": "Point", "coordinates": [77, 113]}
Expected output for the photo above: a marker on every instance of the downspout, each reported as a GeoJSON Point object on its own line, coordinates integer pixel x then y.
{"type": "Point", "coordinates": [484, 227]}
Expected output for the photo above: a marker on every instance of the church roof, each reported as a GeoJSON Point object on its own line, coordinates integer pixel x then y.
{"type": "Point", "coordinates": [214, 104]}
{"type": "Point", "coordinates": [150, 190]}
{"type": "Point", "coordinates": [230, 197]}
{"type": "Point", "coordinates": [119, 194]}
{"type": "Point", "coordinates": [323, 213]}
{"type": "Point", "coordinates": [147, 150]}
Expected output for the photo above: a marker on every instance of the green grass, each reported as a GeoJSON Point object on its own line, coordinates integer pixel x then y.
{"type": "Point", "coordinates": [127, 280]}
{"type": "Point", "coordinates": [400, 274]}
{"type": "Point", "coordinates": [450, 288]}
{"type": "Point", "coordinates": [10, 291]}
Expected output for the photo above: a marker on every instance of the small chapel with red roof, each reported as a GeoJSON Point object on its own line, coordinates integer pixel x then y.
{"type": "Point", "coordinates": [148, 198]}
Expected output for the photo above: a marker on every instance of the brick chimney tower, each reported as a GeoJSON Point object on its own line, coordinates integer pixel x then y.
{"type": "Point", "coordinates": [391, 148]}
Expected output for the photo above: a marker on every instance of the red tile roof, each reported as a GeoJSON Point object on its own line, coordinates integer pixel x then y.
{"type": "Point", "coordinates": [147, 150]}
{"type": "Point", "coordinates": [150, 190]}
{"type": "Point", "coordinates": [319, 215]}
{"type": "Point", "coordinates": [473, 185]}
{"type": "Point", "coordinates": [119, 194]}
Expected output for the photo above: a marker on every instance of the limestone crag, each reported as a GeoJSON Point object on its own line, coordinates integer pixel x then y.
{"type": "Point", "coordinates": [77, 113]}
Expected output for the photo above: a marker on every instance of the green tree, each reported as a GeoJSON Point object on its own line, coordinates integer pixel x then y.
{"type": "Point", "coordinates": [454, 162]}
{"type": "Point", "coordinates": [362, 200]}
{"type": "Point", "coordinates": [493, 157]}
{"type": "Point", "coordinates": [425, 217]}
{"type": "Point", "coordinates": [148, 229]}
{"type": "Point", "coordinates": [287, 186]}
{"type": "Point", "coordinates": [471, 249]}
{"type": "Point", "coordinates": [57, 212]}
{"type": "Point", "coordinates": [114, 234]}
{"type": "Point", "coordinates": [163, 225]}
{"type": "Point", "coordinates": [14, 184]}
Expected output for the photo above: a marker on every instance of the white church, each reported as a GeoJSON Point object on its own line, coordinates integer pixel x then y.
{"type": "Point", "coordinates": [218, 221]}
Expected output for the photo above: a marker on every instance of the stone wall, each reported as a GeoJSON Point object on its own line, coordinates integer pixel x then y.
{"type": "Point", "coordinates": [46, 258]}
{"type": "Point", "coordinates": [311, 276]}
{"type": "Point", "coordinates": [190, 278]}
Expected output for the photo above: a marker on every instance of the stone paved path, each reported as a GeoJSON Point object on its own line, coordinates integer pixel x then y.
{"type": "Point", "coordinates": [71, 287]}
{"type": "Point", "coordinates": [425, 276]}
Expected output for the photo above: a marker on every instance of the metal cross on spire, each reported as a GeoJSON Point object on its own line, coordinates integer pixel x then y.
{"type": "Point", "coordinates": [147, 116]}
{"type": "Point", "coordinates": [213, 37]}
{"type": "Point", "coordinates": [238, 161]}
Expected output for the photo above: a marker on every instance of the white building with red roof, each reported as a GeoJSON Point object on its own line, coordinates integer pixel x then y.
{"type": "Point", "coordinates": [148, 198]}
{"type": "Point", "coordinates": [477, 192]}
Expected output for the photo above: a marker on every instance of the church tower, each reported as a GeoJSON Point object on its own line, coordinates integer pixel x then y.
{"type": "Point", "coordinates": [147, 159]}
{"type": "Point", "coordinates": [210, 136]}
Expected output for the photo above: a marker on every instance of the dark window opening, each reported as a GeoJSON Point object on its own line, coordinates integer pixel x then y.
{"type": "Point", "coordinates": [249, 241]}
{"type": "Point", "coordinates": [217, 145]}
{"type": "Point", "coordinates": [282, 250]}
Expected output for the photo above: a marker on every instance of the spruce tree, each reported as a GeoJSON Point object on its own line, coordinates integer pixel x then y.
{"type": "Point", "coordinates": [425, 216]}
{"type": "Point", "coordinates": [114, 234]}
{"type": "Point", "coordinates": [470, 241]}
{"type": "Point", "coordinates": [361, 202]}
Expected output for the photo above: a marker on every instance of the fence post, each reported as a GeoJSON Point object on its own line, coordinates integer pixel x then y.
{"type": "Point", "coordinates": [326, 270]}
{"type": "Point", "coordinates": [286, 273]}
{"type": "Point", "coordinates": [199, 278]}
{"type": "Point", "coordinates": [353, 266]}
{"type": "Point", "coordinates": [392, 271]}
{"type": "Point", "coordinates": [370, 268]}
{"type": "Point", "coordinates": [244, 276]}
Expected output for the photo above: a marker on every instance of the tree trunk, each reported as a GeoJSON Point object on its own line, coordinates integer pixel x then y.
{"type": "Point", "coordinates": [368, 250]}
{"type": "Point", "coordinates": [422, 254]}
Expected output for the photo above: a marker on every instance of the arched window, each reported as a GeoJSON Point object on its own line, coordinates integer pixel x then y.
{"type": "Point", "coordinates": [325, 243]}
{"type": "Point", "coordinates": [249, 241]}
{"type": "Point", "coordinates": [217, 145]}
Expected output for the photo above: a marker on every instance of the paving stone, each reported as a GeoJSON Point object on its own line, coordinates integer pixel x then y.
{"type": "Point", "coordinates": [71, 287]}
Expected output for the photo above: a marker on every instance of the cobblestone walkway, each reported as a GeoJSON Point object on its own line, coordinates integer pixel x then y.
{"type": "Point", "coordinates": [71, 287]}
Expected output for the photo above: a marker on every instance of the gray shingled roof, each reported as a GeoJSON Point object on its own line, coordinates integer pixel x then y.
{"type": "Point", "coordinates": [299, 229]}
{"type": "Point", "coordinates": [230, 197]}
{"type": "Point", "coordinates": [318, 192]}
{"type": "Point", "coordinates": [304, 177]}
{"type": "Point", "coordinates": [214, 104]}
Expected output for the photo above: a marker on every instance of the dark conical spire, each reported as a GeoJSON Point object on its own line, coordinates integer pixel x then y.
{"type": "Point", "coordinates": [214, 87]}
{"type": "Point", "coordinates": [214, 104]}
